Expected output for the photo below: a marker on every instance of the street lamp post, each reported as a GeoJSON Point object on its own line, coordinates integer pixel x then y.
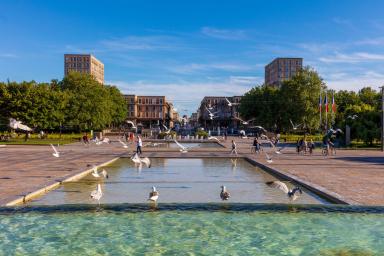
{"type": "Point", "coordinates": [382, 118]}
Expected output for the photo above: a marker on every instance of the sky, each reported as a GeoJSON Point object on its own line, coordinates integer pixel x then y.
{"type": "Point", "coordinates": [186, 50]}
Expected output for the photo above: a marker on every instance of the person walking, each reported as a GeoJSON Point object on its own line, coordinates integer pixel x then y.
{"type": "Point", "coordinates": [234, 147]}
{"type": "Point", "coordinates": [311, 146]}
{"type": "Point", "coordinates": [139, 145]}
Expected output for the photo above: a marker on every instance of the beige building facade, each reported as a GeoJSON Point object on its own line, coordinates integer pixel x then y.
{"type": "Point", "coordinates": [281, 69]}
{"type": "Point", "coordinates": [84, 63]}
{"type": "Point", "coordinates": [149, 111]}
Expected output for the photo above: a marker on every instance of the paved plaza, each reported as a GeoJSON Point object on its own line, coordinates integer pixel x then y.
{"type": "Point", "coordinates": [352, 176]}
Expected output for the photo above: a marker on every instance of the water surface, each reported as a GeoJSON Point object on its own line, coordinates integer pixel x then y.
{"type": "Point", "coordinates": [287, 231]}
{"type": "Point", "coordinates": [178, 181]}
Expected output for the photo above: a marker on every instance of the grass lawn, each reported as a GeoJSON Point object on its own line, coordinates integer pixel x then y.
{"type": "Point", "coordinates": [50, 139]}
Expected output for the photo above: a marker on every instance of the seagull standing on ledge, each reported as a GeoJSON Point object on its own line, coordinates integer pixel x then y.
{"type": "Point", "coordinates": [55, 152]}
{"type": "Point", "coordinates": [224, 195]}
{"type": "Point", "coordinates": [153, 195]}
{"type": "Point", "coordinates": [292, 194]}
{"type": "Point", "coordinates": [97, 194]}
{"type": "Point", "coordinates": [97, 174]}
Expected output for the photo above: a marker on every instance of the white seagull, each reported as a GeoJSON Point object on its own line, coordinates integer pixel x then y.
{"type": "Point", "coordinates": [245, 122]}
{"type": "Point", "coordinates": [106, 140]}
{"type": "Point", "coordinates": [14, 124]}
{"type": "Point", "coordinates": [139, 160]}
{"type": "Point", "coordinates": [153, 195]}
{"type": "Point", "coordinates": [292, 194]}
{"type": "Point", "coordinates": [224, 194]}
{"type": "Point", "coordinates": [97, 174]}
{"type": "Point", "coordinates": [167, 131]}
{"type": "Point", "coordinates": [277, 150]}
{"type": "Point", "coordinates": [183, 149]}
{"type": "Point", "coordinates": [211, 114]}
{"type": "Point", "coordinates": [131, 123]}
{"type": "Point", "coordinates": [213, 138]}
{"type": "Point", "coordinates": [294, 126]}
{"type": "Point", "coordinates": [229, 103]}
{"type": "Point", "coordinates": [55, 152]}
{"type": "Point", "coordinates": [123, 143]}
{"type": "Point", "coordinates": [269, 159]}
{"type": "Point", "coordinates": [97, 194]}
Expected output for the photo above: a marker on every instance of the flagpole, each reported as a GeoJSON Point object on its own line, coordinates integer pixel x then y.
{"type": "Point", "coordinates": [320, 108]}
{"type": "Point", "coordinates": [326, 112]}
{"type": "Point", "coordinates": [332, 107]}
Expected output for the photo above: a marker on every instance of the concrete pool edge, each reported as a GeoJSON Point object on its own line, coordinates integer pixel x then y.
{"type": "Point", "coordinates": [44, 190]}
{"type": "Point", "coordinates": [318, 190]}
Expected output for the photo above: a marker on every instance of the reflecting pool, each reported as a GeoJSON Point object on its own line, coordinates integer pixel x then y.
{"type": "Point", "coordinates": [178, 181]}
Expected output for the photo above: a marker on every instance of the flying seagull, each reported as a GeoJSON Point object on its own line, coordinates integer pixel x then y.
{"type": "Point", "coordinates": [167, 131]}
{"type": "Point", "coordinates": [230, 104]}
{"type": "Point", "coordinates": [294, 126]}
{"type": "Point", "coordinates": [17, 125]}
{"type": "Point", "coordinates": [183, 149]}
{"type": "Point", "coordinates": [123, 143]}
{"type": "Point", "coordinates": [55, 152]}
{"type": "Point", "coordinates": [245, 122]}
{"type": "Point", "coordinates": [131, 123]}
{"type": "Point", "coordinates": [224, 194]}
{"type": "Point", "coordinates": [153, 195]}
{"type": "Point", "coordinates": [213, 138]}
{"type": "Point", "coordinates": [211, 114]}
{"type": "Point", "coordinates": [97, 194]}
{"type": "Point", "coordinates": [292, 194]}
{"type": "Point", "coordinates": [269, 159]}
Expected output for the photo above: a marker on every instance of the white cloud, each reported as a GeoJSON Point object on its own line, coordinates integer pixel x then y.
{"type": "Point", "coordinates": [226, 34]}
{"type": "Point", "coordinates": [344, 22]}
{"type": "Point", "coordinates": [354, 83]}
{"type": "Point", "coordinates": [196, 67]}
{"type": "Point", "coordinates": [8, 55]}
{"type": "Point", "coordinates": [371, 41]}
{"type": "Point", "coordinates": [352, 58]}
{"type": "Point", "coordinates": [141, 43]}
{"type": "Point", "coordinates": [246, 80]}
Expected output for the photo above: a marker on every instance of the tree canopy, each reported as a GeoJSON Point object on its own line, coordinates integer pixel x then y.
{"type": "Point", "coordinates": [77, 102]}
{"type": "Point", "coordinates": [297, 99]}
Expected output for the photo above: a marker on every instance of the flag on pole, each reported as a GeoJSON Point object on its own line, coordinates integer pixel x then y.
{"type": "Point", "coordinates": [333, 103]}
{"type": "Point", "coordinates": [326, 103]}
{"type": "Point", "coordinates": [320, 103]}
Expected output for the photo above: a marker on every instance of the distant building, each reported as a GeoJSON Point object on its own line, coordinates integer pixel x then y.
{"type": "Point", "coordinates": [149, 111]}
{"type": "Point", "coordinates": [84, 63]}
{"type": "Point", "coordinates": [193, 119]}
{"type": "Point", "coordinates": [224, 115]}
{"type": "Point", "coordinates": [281, 69]}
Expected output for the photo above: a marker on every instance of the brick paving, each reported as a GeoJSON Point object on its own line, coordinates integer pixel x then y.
{"type": "Point", "coordinates": [354, 176]}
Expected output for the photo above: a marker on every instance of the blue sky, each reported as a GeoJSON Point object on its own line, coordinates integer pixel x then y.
{"type": "Point", "coordinates": [188, 49]}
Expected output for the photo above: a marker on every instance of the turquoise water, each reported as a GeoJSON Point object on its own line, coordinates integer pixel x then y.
{"type": "Point", "coordinates": [217, 230]}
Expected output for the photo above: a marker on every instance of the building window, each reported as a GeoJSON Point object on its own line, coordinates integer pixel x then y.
{"type": "Point", "coordinates": [161, 101]}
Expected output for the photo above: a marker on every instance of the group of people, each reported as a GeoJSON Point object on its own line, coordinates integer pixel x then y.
{"type": "Point", "coordinates": [304, 146]}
